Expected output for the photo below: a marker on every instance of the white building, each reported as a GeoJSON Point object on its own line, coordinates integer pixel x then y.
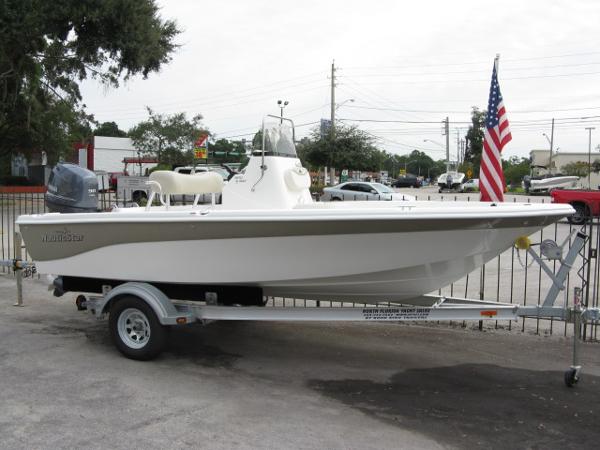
{"type": "Point", "coordinates": [540, 163]}
{"type": "Point", "coordinates": [108, 154]}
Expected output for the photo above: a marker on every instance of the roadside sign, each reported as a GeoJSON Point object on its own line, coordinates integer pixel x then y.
{"type": "Point", "coordinates": [201, 147]}
{"type": "Point", "coordinates": [469, 173]}
{"type": "Point", "coordinates": [344, 176]}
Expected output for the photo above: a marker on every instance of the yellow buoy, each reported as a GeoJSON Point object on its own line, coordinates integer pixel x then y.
{"type": "Point", "coordinates": [523, 243]}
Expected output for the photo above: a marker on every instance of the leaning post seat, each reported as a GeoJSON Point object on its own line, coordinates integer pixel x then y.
{"type": "Point", "coordinates": [166, 183]}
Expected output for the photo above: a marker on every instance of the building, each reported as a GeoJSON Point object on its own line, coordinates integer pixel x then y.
{"type": "Point", "coordinates": [540, 164]}
{"type": "Point", "coordinates": [35, 168]}
{"type": "Point", "coordinates": [109, 154]}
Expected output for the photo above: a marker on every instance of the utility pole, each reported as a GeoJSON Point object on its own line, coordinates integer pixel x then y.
{"type": "Point", "coordinates": [551, 147]}
{"type": "Point", "coordinates": [332, 169]}
{"type": "Point", "coordinates": [457, 147]}
{"type": "Point", "coordinates": [333, 99]}
{"type": "Point", "coordinates": [590, 156]}
{"type": "Point", "coordinates": [447, 132]}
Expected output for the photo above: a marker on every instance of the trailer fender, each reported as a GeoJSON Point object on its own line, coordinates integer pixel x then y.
{"type": "Point", "coordinates": [162, 306]}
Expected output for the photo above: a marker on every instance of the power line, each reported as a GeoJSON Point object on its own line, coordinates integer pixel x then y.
{"type": "Point", "coordinates": [397, 121]}
{"type": "Point", "coordinates": [463, 111]}
{"type": "Point", "coordinates": [231, 95]}
{"type": "Point", "coordinates": [481, 80]}
{"type": "Point", "coordinates": [477, 62]}
{"type": "Point", "coordinates": [506, 69]}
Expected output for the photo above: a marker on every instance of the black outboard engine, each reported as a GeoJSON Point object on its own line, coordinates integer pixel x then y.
{"type": "Point", "coordinates": [449, 181]}
{"type": "Point", "coordinates": [72, 189]}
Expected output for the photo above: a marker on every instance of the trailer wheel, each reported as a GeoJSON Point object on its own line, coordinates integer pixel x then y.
{"type": "Point", "coordinates": [135, 329]}
{"type": "Point", "coordinates": [580, 216]}
{"type": "Point", "coordinates": [571, 377]}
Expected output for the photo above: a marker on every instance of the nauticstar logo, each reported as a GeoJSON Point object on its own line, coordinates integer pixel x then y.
{"type": "Point", "coordinates": [64, 235]}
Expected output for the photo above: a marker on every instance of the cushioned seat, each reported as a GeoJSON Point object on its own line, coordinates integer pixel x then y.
{"type": "Point", "coordinates": [179, 183]}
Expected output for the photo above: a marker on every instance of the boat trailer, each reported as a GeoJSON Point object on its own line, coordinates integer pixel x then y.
{"type": "Point", "coordinates": [140, 312]}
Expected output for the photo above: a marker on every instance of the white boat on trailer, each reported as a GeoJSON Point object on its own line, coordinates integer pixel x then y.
{"type": "Point", "coordinates": [268, 238]}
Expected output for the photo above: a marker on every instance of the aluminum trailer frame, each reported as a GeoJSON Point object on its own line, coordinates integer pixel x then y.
{"type": "Point", "coordinates": [139, 312]}
{"type": "Point", "coordinates": [135, 331]}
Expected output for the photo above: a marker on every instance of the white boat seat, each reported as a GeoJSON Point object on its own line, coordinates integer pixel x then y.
{"type": "Point", "coordinates": [179, 183]}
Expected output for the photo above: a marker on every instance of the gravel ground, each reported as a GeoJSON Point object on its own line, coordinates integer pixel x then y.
{"type": "Point", "coordinates": [277, 385]}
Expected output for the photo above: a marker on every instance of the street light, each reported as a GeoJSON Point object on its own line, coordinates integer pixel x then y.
{"type": "Point", "coordinates": [433, 142]}
{"type": "Point", "coordinates": [282, 104]}
{"type": "Point", "coordinates": [339, 105]}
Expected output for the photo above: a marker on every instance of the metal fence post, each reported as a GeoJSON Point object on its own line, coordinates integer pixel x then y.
{"type": "Point", "coordinates": [18, 252]}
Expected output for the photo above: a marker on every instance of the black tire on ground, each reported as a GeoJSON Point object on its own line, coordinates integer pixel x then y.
{"type": "Point", "coordinates": [581, 214]}
{"type": "Point", "coordinates": [571, 377]}
{"type": "Point", "coordinates": [138, 196]}
{"type": "Point", "coordinates": [135, 329]}
{"type": "Point", "coordinates": [80, 302]}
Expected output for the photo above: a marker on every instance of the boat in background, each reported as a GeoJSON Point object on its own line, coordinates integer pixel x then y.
{"type": "Point", "coordinates": [451, 181]}
{"type": "Point", "coordinates": [269, 238]}
{"type": "Point", "coordinates": [548, 182]}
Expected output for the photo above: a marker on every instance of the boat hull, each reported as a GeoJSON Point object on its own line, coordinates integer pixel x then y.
{"type": "Point", "coordinates": [388, 255]}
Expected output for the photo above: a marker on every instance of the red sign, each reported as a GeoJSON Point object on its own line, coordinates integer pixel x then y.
{"type": "Point", "coordinates": [201, 141]}
{"type": "Point", "coordinates": [201, 147]}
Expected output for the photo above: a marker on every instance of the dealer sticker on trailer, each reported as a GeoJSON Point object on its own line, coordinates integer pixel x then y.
{"type": "Point", "coordinates": [395, 313]}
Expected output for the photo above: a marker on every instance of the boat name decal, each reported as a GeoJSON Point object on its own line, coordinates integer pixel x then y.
{"type": "Point", "coordinates": [395, 313]}
{"type": "Point", "coordinates": [64, 235]}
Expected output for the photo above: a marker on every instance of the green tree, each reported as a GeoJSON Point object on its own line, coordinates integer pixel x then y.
{"type": "Point", "coordinates": [438, 169]}
{"type": "Point", "coordinates": [169, 138]}
{"type": "Point", "coordinates": [225, 151]}
{"type": "Point", "coordinates": [351, 148]}
{"type": "Point", "coordinates": [474, 139]}
{"type": "Point", "coordinates": [515, 169]}
{"type": "Point", "coordinates": [419, 163]}
{"type": "Point", "coordinates": [110, 129]}
{"type": "Point", "coordinates": [577, 168]}
{"type": "Point", "coordinates": [47, 48]}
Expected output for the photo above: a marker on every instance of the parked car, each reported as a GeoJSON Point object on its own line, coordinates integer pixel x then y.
{"type": "Point", "coordinates": [585, 202]}
{"type": "Point", "coordinates": [407, 180]}
{"type": "Point", "coordinates": [361, 190]}
{"type": "Point", "coordinates": [471, 185]}
{"type": "Point", "coordinates": [225, 172]}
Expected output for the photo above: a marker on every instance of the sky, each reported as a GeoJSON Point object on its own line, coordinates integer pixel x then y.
{"type": "Point", "coordinates": [401, 69]}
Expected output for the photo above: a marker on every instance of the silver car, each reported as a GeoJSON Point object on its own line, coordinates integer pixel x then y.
{"type": "Point", "coordinates": [361, 191]}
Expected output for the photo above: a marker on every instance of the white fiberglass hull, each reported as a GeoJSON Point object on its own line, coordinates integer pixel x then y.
{"type": "Point", "coordinates": [547, 184]}
{"type": "Point", "coordinates": [391, 251]}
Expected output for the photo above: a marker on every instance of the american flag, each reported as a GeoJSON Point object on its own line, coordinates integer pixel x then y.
{"type": "Point", "coordinates": [496, 136]}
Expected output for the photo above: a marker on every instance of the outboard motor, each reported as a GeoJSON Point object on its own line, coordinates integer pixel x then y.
{"type": "Point", "coordinates": [449, 181]}
{"type": "Point", "coordinates": [72, 189]}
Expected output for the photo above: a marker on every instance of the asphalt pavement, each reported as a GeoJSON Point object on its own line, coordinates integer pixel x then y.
{"type": "Point", "coordinates": [286, 385]}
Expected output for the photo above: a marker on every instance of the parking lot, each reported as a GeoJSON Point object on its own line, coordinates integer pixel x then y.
{"type": "Point", "coordinates": [277, 385]}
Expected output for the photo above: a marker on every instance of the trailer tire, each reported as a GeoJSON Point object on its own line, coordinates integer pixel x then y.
{"type": "Point", "coordinates": [581, 214]}
{"type": "Point", "coordinates": [135, 329]}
